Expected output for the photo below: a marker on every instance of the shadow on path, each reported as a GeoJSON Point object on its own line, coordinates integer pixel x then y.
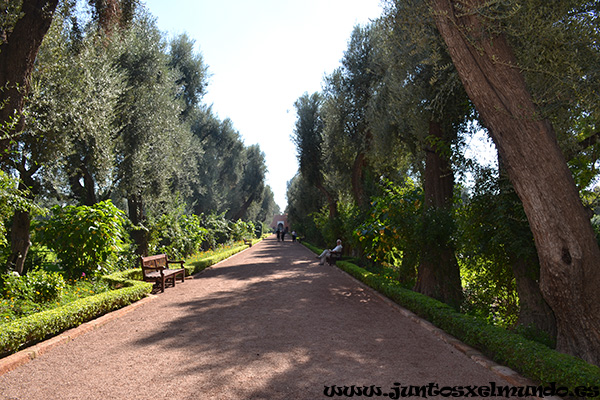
{"type": "Point", "coordinates": [268, 323]}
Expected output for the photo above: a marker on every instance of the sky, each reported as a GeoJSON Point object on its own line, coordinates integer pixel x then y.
{"type": "Point", "coordinates": [262, 56]}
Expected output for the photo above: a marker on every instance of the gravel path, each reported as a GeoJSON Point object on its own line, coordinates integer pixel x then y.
{"type": "Point", "coordinates": [268, 323]}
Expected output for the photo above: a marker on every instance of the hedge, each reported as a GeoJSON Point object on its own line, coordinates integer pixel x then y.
{"type": "Point", "coordinates": [194, 266]}
{"type": "Point", "coordinates": [531, 359]}
{"type": "Point", "coordinates": [34, 328]}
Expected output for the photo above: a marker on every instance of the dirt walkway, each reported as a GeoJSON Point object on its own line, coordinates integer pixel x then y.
{"type": "Point", "coordinates": [268, 323]}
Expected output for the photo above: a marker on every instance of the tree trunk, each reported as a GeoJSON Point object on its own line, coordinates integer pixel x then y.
{"type": "Point", "coordinates": [331, 202]}
{"type": "Point", "coordinates": [84, 193]}
{"type": "Point", "coordinates": [20, 241]}
{"type": "Point", "coordinates": [567, 249]}
{"type": "Point", "coordinates": [358, 168]}
{"type": "Point", "coordinates": [242, 211]}
{"type": "Point", "coordinates": [533, 309]}
{"type": "Point", "coordinates": [438, 274]}
{"type": "Point", "coordinates": [17, 55]}
{"type": "Point", "coordinates": [135, 204]}
{"type": "Point", "coordinates": [20, 235]}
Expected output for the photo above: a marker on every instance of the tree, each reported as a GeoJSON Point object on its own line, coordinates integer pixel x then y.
{"type": "Point", "coordinates": [308, 137]}
{"type": "Point", "coordinates": [20, 39]}
{"type": "Point", "coordinates": [303, 200]}
{"type": "Point", "coordinates": [565, 241]}
{"type": "Point", "coordinates": [347, 132]}
{"type": "Point", "coordinates": [220, 166]}
{"type": "Point", "coordinates": [252, 183]}
{"type": "Point", "coordinates": [192, 80]}
{"type": "Point", "coordinates": [152, 141]}
{"type": "Point", "coordinates": [74, 101]}
{"type": "Point", "coordinates": [425, 105]}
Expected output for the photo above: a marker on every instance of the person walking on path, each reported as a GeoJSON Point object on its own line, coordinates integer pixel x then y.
{"type": "Point", "coordinates": [327, 253]}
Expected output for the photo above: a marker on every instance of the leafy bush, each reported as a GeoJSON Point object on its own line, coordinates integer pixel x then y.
{"type": "Point", "coordinates": [241, 230]}
{"type": "Point", "coordinates": [218, 230]}
{"type": "Point", "coordinates": [177, 235]}
{"type": "Point", "coordinates": [38, 286]}
{"type": "Point", "coordinates": [31, 329]}
{"type": "Point", "coordinates": [86, 239]}
{"type": "Point", "coordinates": [391, 234]}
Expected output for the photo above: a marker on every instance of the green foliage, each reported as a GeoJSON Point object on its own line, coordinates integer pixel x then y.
{"type": "Point", "coordinates": [303, 200]}
{"type": "Point", "coordinates": [241, 230]}
{"type": "Point", "coordinates": [391, 235]}
{"type": "Point", "coordinates": [308, 137]}
{"type": "Point", "coordinates": [177, 236]}
{"type": "Point", "coordinates": [327, 227]}
{"type": "Point", "coordinates": [10, 12]}
{"type": "Point", "coordinates": [34, 328]}
{"type": "Point", "coordinates": [38, 286]}
{"type": "Point", "coordinates": [12, 199]}
{"type": "Point", "coordinates": [41, 290]}
{"type": "Point", "coordinates": [493, 232]}
{"type": "Point", "coordinates": [218, 230]}
{"type": "Point", "coordinates": [204, 260]}
{"type": "Point", "coordinates": [86, 239]}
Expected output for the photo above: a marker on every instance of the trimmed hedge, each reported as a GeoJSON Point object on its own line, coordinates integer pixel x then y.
{"type": "Point", "coordinates": [195, 266]}
{"type": "Point", "coordinates": [34, 328]}
{"type": "Point", "coordinates": [533, 360]}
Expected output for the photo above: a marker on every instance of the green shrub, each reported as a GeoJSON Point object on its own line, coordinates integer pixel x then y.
{"type": "Point", "coordinates": [203, 261]}
{"type": "Point", "coordinates": [34, 328]}
{"type": "Point", "coordinates": [86, 239]}
{"type": "Point", "coordinates": [178, 236]}
{"type": "Point", "coordinates": [38, 286]}
{"type": "Point", "coordinates": [241, 230]}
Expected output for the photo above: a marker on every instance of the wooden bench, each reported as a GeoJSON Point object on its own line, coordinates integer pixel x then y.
{"type": "Point", "coordinates": [156, 269]}
{"type": "Point", "coordinates": [248, 242]}
{"type": "Point", "coordinates": [333, 257]}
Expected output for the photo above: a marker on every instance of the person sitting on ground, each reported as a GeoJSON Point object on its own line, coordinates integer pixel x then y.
{"type": "Point", "coordinates": [327, 253]}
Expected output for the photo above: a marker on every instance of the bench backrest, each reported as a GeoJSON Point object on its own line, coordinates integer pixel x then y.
{"type": "Point", "coordinates": [156, 261]}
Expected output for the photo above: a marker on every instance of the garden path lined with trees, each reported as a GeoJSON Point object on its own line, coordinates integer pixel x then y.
{"type": "Point", "coordinates": [268, 323]}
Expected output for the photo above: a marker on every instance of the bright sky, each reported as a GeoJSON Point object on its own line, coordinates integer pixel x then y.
{"type": "Point", "coordinates": [263, 55]}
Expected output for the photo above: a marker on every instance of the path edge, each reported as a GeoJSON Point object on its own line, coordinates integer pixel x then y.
{"type": "Point", "coordinates": [506, 373]}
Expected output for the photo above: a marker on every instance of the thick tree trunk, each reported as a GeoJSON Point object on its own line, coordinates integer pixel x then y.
{"type": "Point", "coordinates": [533, 309]}
{"type": "Point", "coordinates": [84, 193]}
{"type": "Point", "coordinates": [567, 249]}
{"type": "Point", "coordinates": [438, 274]}
{"type": "Point", "coordinates": [17, 55]}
